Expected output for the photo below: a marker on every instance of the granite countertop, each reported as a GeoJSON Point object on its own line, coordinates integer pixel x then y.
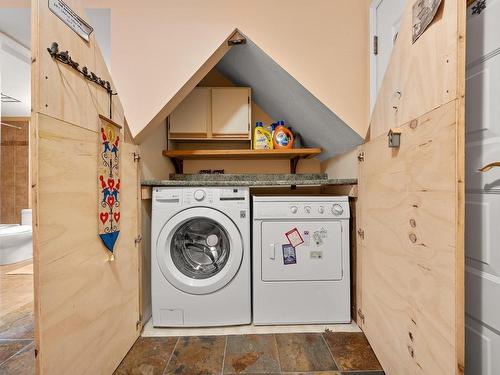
{"type": "Point", "coordinates": [249, 180]}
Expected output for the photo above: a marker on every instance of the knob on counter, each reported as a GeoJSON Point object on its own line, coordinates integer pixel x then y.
{"type": "Point", "coordinates": [337, 209]}
{"type": "Point", "coordinates": [199, 195]}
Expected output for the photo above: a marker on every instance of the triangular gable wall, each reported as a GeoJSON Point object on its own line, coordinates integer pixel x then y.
{"type": "Point", "coordinates": [204, 69]}
{"type": "Point", "coordinates": [283, 97]}
{"type": "Point", "coordinates": [276, 92]}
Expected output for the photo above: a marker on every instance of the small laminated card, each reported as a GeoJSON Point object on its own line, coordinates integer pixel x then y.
{"type": "Point", "coordinates": [294, 237]}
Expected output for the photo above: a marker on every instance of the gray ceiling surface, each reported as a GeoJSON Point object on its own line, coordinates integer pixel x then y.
{"type": "Point", "coordinates": [284, 98]}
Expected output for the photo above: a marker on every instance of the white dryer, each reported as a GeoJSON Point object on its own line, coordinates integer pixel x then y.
{"type": "Point", "coordinates": [200, 242]}
{"type": "Point", "coordinates": [301, 260]}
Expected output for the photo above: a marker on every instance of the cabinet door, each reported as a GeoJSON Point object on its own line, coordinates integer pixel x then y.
{"type": "Point", "coordinates": [191, 119]}
{"type": "Point", "coordinates": [411, 222]}
{"type": "Point", "coordinates": [231, 112]}
{"type": "Point", "coordinates": [87, 310]}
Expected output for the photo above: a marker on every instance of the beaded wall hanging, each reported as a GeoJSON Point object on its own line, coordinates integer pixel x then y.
{"type": "Point", "coordinates": [108, 180]}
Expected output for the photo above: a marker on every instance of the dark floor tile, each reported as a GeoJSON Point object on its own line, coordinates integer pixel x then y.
{"type": "Point", "coordinates": [10, 347]}
{"type": "Point", "coordinates": [363, 373]}
{"type": "Point", "coordinates": [198, 356]}
{"type": "Point", "coordinates": [18, 324]}
{"type": "Point", "coordinates": [351, 351]}
{"type": "Point", "coordinates": [148, 356]}
{"type": "Point", "coordinates": [303, 352]}
{"type": "Point", "coordinates": [246, 354]}
{"type": "Point", "coordinates": [22, 363]}
{"type": "Point", "coordinates": [313, 373]}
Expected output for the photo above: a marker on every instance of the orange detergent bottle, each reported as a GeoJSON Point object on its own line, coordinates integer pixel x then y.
{"type": "Point", "coordinates": [282, 136]}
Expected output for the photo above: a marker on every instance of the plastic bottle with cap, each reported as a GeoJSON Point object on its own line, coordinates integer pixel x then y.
{"type": "Point", "coordinates": [262, 138]}
{"type": "Point", "coordinates": [282, 136]}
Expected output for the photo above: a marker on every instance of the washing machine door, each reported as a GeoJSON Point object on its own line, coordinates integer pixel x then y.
{"type": "Point", "coordinates": [199, 250]}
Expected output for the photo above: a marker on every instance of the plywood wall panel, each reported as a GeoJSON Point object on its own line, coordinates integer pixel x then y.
{"type": "Point", "coordinates": [60, 91]}
{"type": "Point", "coordinates": [411, 255]}
{"type": "Point", "coordinates": [413, 252]}
{"type": "Point", "coordinates": [420, 76]}
{"type": "Point", "coordinates": [88, 305]}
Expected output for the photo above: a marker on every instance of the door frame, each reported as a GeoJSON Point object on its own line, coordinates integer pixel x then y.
{"type": "Point", "coordinates": [373, 58]}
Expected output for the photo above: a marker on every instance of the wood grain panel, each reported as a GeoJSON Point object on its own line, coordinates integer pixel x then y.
{"type": "Point", "coordinates": [421, 76]}
{"type": "Point", "coordinates": [245, 154]}
{"type": "Point", "coordinates": [87, 306]}
{"type": "Point", "coordinates": [410, 255]}
{"type": "Point", "coordinates": [58, 90]}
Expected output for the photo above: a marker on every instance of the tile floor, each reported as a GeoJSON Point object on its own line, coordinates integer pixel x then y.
{"type": "Point", "coordinates": [17, 352]}
{"type": "Point", "coordinates": [330, 353]}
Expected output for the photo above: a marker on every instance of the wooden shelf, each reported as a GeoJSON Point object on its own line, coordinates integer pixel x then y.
{"type": "Point", "coordinates": [294, 155]}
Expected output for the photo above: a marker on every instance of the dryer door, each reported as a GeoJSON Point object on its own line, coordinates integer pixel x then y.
{"type": "Point", "coordinates": [199, 250]}
{"type": "Point", "coordinates": [316, 257]}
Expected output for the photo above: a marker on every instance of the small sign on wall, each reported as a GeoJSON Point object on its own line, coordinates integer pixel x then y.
{"type": "Point", "coordinates": [423, 13]}
{"type": "Point", "coordinates": [70, 18]}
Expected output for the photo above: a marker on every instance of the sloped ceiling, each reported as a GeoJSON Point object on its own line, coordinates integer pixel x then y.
{"type": "Point", "coordinates": [284, 98]}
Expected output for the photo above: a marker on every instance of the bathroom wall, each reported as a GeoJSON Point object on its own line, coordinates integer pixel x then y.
{"type": "Point", "coordinates": [14, 170]}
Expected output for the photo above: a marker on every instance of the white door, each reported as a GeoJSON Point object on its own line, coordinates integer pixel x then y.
{"type": "Point", "coordinates": [482, 246]}
{"type": "Point", "coordinates": [385, 17]}
{"type": "Point", "coordinates": [316, 256]}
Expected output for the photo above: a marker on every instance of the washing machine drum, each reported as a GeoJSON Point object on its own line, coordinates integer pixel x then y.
{"type": "Point", "coordinates": [199, 250]}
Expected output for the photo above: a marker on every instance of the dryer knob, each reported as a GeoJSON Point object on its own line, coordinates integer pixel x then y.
{"type": "Point", "coordinates": [199, 195]}
{"type": "Point", "coordinates": [337, 209]}
{"type": "Point", "coordinates": [321, 209]}
{"type": "Point", "coordinates": [294, 209]}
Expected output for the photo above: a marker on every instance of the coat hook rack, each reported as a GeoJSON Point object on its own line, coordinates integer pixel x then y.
{"type": "Point", "coordinates": [65, 58]}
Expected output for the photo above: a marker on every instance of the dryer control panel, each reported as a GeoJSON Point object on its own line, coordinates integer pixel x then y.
{"type": "Point", "coordinates": [303, 207]}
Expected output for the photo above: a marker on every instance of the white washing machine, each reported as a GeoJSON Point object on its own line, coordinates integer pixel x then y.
{"type": "Point", "coordinates": [301, 260]}
{"type": "Point", "coordinates": [200, 257]}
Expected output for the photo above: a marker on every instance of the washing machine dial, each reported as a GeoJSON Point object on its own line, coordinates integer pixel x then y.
{"type": "Point", "coordinates": [199, 195]}
{"type": "Point", "coordinates": [337, 209]}
{"type": "Point", "coordinates": [307, 209]}
{"type": "Point", "coordinates": [294, 209]}
{"type": "Point", "coordinates": [321, 209]}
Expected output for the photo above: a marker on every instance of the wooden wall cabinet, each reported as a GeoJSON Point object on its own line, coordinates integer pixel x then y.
{"type": "Point", "coordinates": [213, 113]}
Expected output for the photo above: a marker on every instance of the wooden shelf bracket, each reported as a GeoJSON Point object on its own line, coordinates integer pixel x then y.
{"type": "Point", "coordinates": [293, 165]}
{"type": "Point", "coordinates": [178, 165]}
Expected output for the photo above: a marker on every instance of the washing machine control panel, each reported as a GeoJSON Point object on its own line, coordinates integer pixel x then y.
{"type": "Point", "coordinates": [195, 196]}
{"type": "Point", "coordinates": [199, 195]}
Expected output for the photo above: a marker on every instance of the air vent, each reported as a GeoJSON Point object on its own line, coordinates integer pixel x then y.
{"type": "Point", "coordinates": [9, 99]}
